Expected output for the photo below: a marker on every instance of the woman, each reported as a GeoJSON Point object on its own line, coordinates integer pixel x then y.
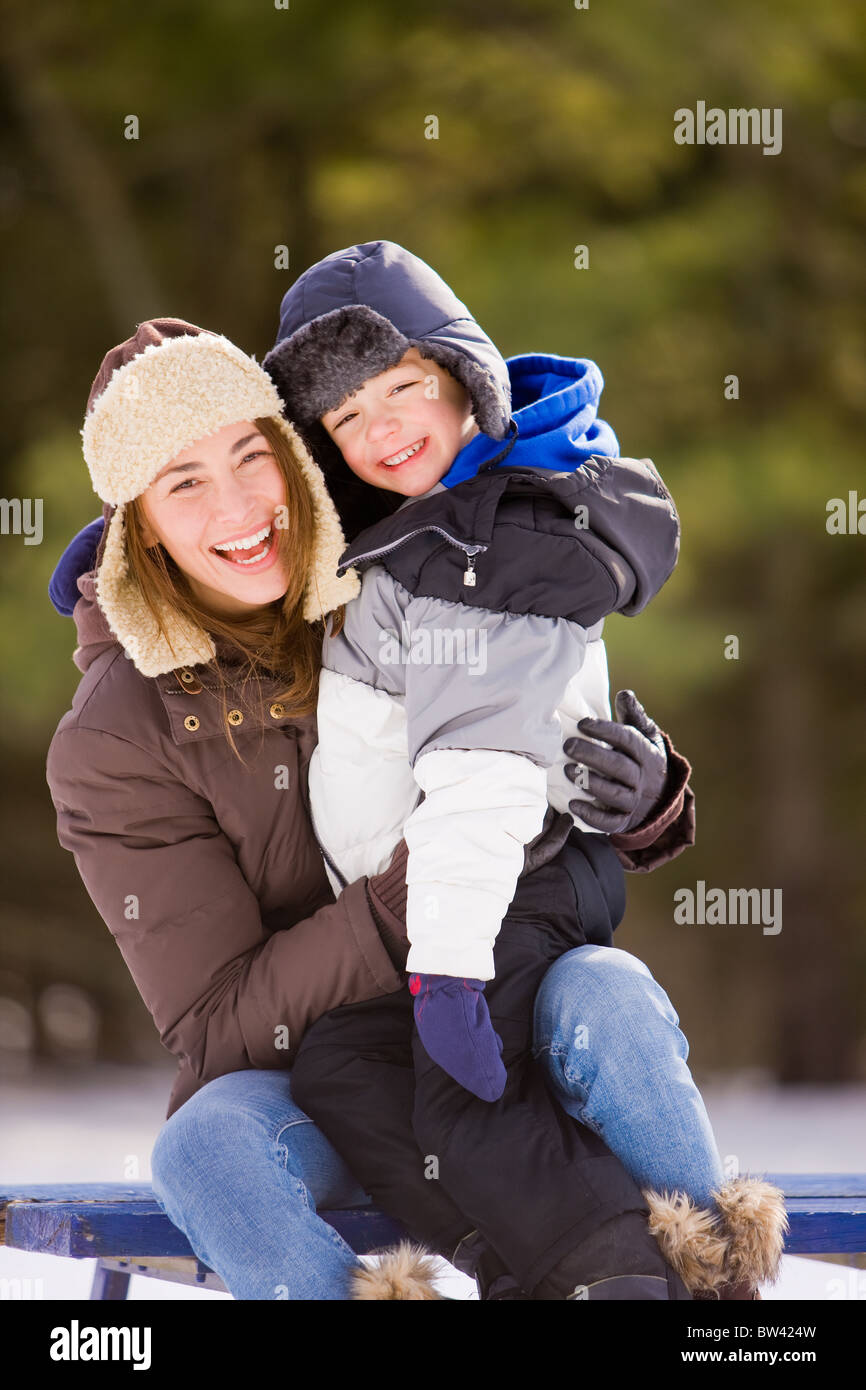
{"type": "Point", "coordinates": [216, 564]}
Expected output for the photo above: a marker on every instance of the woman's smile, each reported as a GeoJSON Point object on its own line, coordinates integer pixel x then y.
{"type": "Point", "coordinates": [232, 489]}
{"type": "Point", "coordinates": [254, 553]}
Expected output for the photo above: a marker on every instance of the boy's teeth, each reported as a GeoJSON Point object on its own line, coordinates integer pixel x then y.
{"type": "Point", "coordinates": [401, 458]}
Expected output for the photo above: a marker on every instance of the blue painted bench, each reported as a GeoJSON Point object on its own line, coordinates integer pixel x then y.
{"type": "Point", "coordinates": [124, 1228]}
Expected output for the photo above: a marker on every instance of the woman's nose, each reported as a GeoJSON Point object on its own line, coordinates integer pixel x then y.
{"type": "Point", "coordinates": [233, 499]}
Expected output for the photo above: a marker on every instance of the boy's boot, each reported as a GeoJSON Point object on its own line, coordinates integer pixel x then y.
{"type": "Point", "coordinates": [408, 1272]}
{"type": "Point", "coordinates": [494, 1281]}
{"type": "Point", "coordinates": [619, 1261]}
{"type": "Point", "coordinates": [405, 1272]}
{"type": "Point", "coordinates": [724, 1253]}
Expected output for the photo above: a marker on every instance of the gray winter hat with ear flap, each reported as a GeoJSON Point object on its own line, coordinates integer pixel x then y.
{"type": "Point", "coordinates": [356, 313]}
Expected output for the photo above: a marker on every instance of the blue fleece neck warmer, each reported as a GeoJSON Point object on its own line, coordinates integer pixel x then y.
{"type": "Point", "coordinates": [555, 408]}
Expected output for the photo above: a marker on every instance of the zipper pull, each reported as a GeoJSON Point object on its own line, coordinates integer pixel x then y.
{"type": "Point", "coordinates": [469, 572]}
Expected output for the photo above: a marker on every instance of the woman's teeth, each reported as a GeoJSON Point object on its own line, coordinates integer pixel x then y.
{"type": "Point", "coordinates": [248, 543]}
{"type": "Point", "coordinates": [406, 454]}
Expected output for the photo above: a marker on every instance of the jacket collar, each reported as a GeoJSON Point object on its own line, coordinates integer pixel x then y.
{"type": "Point", "coordinates": [465, 513]}
{"type": "Point", "coordinates": [190, 695]}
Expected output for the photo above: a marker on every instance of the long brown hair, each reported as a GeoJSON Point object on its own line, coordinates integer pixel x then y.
{"type": "Point", "coordinates": [275, 642]}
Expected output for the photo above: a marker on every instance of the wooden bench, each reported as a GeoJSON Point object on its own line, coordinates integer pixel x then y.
{"type": "Point", "coordinates": [123, 1227]}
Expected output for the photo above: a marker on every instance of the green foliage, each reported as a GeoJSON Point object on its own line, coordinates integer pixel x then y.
{"type": "Point", "coordinates": [305, 127]}
{"type": "Point", "coordinates": [37, 675]}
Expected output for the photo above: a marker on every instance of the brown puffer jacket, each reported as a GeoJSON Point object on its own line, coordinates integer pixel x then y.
{"type": "Point", "coordinates": [199, 866]}
{"type": "Point", "coordinates": [208, 874]}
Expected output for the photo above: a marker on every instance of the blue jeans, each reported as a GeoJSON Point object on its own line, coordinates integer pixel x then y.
{"type": "Point", "coordinates": [242, 1170]}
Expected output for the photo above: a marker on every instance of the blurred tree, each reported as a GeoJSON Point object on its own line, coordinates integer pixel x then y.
{"type": "Point", "coordinates": [307, 128]}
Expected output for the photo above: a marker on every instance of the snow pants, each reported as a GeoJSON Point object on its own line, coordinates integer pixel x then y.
{"type": "Point", "coordinates": [544, 1192]}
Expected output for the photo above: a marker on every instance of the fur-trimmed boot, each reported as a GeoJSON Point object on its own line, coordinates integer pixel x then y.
{"type": "Point", "coordinates": [408, 1271]}
{"type": "Point", "coordinates": [724, 1253]}
{"type": "Point", "coordinates": [494, 1281]}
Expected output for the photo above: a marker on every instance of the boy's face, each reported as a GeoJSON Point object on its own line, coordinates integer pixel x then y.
{"type": "Point", "coordinates": [415, 406]}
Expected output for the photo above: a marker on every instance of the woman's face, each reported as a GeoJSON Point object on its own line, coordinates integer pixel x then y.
{"type": "Point", "coordinates": [225, 488]}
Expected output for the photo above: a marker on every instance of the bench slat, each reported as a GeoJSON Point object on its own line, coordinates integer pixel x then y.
{"type": "Point", "coordinates": [89, 1227]}
{"type": "Point", "coordinates": [174, 1271]}
{"type": "Point", "coordinates": [76, 1192]}
{"type": "Point", "coordinates": [827, 1215]}
{"type": "Point", "coordinates": [820, 1184]}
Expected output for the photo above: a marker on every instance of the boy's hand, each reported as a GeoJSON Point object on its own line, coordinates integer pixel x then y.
{"type": "Point", "coordinates": [454, 1026]}
{"type": "Point", "coordinates": [629, 777]}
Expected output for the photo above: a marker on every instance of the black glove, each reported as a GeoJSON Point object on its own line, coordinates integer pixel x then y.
{"type": "Point", "coordinates": [628, 778]}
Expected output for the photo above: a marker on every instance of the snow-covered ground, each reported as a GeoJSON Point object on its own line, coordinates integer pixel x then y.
{"type": "Point", "coordinates": [101, 1126]}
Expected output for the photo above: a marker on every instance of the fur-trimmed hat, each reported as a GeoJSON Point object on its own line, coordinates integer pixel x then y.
{"type": "Point", "coordinates": [155, 395]}
{"type": "Point", "coordinates": [354, 315]}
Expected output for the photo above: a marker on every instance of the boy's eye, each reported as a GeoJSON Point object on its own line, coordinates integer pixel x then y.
{"type": "Point", "coordinates": [401, 386]}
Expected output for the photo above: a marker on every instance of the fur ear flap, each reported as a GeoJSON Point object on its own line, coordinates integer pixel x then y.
{"type": "Point", "coordinates": [131, 620]}
{"type": "Point", "coordinates": [407, 1272]}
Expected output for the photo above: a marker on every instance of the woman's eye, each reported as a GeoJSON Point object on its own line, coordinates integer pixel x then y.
{"type": "Point", "coordinates": [188, 484]}
{"type": "Point", "coordinates": [403, 385]}
{"type": "Point", "coordinates": [345, 420]}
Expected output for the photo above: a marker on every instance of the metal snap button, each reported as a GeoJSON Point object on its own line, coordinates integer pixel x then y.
{"type": "Point", "coordinates": [277, 710]}
{"type": "Point", "coordinates": [190, 680]}
{"type": "Point", "coordinates": [235, 716]}
{"type": "Point", "coordinates": [191, 723]}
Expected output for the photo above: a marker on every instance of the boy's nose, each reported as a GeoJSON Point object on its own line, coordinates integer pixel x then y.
{"type": "Point", "coordinates": [381, 426]}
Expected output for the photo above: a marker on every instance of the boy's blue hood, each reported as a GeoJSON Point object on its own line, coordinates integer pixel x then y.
{"type": "Point", "coordinates": [354, 313]}
{"type": "Point", "coordinates": [555, 408]}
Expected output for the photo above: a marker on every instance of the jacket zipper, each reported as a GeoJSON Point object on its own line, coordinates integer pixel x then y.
{"type": "Point", "coordinates": [471, 550]}
{"type": "Point", "coordinates": [327, 856]}
{"type": "Point", "coordinates": [468, 579]}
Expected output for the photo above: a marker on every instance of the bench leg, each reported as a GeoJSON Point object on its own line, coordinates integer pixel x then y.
{"type": "Point", "coordinates": [109, 1284]}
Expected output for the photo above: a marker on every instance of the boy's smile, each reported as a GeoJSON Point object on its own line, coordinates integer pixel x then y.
{"type": "Point", "coordinates": [402, 430]}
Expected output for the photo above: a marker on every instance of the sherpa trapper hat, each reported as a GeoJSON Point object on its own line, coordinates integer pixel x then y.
{"type": "Point", "coordinates": [156, 394]}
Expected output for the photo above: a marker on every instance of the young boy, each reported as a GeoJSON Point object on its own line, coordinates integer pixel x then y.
{"type": "Point", "coordinates": [498, 546]}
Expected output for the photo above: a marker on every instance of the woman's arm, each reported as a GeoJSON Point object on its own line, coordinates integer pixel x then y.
{"type": "Point", "coordinates": [224, 993]}
{"type": "Point", "coordinates": [670, 826]}
{"type": "Point", "coordinates": [640, 784]}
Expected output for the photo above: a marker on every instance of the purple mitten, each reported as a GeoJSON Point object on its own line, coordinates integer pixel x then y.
{"type": "Point", "coordinates": [454, 1025]}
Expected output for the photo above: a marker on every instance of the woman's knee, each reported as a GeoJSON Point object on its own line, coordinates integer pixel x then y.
{"type": "Point", "coordinates": [240, 1110]}
{"type": "Point", "coordinates": [598, 982]}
